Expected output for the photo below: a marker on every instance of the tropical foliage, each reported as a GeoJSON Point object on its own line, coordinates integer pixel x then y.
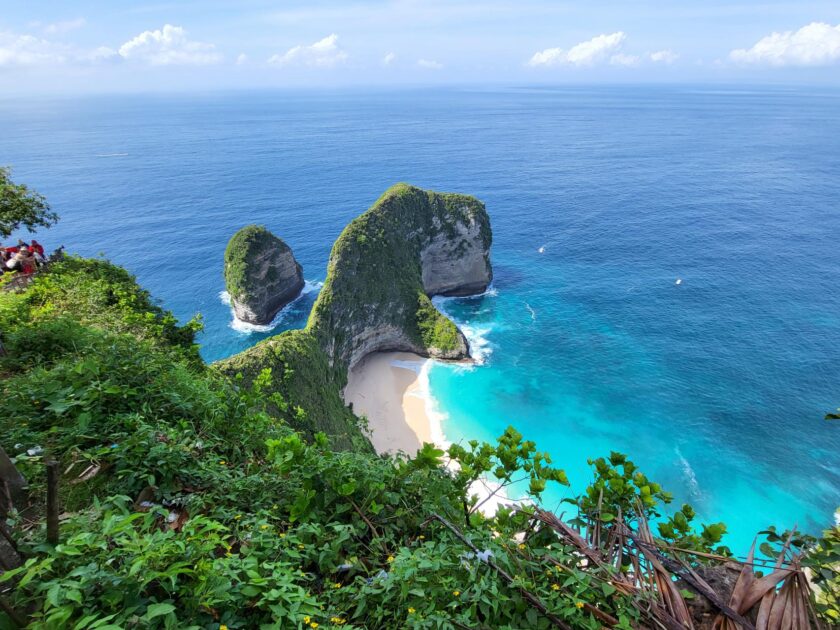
{"type": "Point", "coordinates": [192, 500]}
{"type": "Point", "coordinates": [21, 207]}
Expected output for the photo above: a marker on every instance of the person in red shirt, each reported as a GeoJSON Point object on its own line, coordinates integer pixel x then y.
{"type": "Point", "coordinates": [27, 262]}
{"type": "Point", "coordinates": [36, 248]}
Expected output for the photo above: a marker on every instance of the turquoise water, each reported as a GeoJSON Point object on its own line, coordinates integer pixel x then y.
{"type": "Point", "coordinates": [716, 386]}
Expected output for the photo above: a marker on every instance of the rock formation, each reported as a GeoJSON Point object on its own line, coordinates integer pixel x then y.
{"type": "Point", "coordinates": [261, 274]}
{"type": "Point", "coordinates": [410, 245]}
{"type": "Point", "coordinates": [383, 269]}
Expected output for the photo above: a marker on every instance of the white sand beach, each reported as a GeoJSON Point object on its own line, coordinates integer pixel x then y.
{"type": "Point", "coordinates": [389, 389]}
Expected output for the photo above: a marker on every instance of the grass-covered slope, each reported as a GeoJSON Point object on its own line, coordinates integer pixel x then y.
{"type": "Point", "coordinates": [303, 388]}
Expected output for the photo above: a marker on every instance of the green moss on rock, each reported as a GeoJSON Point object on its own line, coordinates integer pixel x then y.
{"type": "Point", "coordinates": [261, 274]}
{"type": "Point", "coordinates": [302, 388]}
{"type": "Point", "coordinates": [369, 301]}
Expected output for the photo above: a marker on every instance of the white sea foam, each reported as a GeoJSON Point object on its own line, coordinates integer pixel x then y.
{"type": "Point", "coordinates": [541, 250]}
{"type": "Point", "coordinates": [491, 291]}
{"type": "Point", "coordinates": [490, 496]}
{"type": "Point", "coordinates": [531, 310]}
{"type": "Point", "coordinates": [248, 328]}
{"type": "Point", "coordinates": [433, 411]}
{"type": "Point", "coordinates": [477, 335]}
{"type": "Point", "coordinates": [688, 473]}
{"type": "Point", "coordinates": [480, 346]}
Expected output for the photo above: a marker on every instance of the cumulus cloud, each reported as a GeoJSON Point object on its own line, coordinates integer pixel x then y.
{"type": "Point", "coordinates": [56, 28]}
{"type": "Point", "coordinates": [102, 53]}
{"type": "Point", "coordinates": [667, 56]}
{"type": "Point", "coordinates": [242, 58]}
{"type": "Point", "coordinates": [588, 53]}
{"type": "Point", "coordinates": [26, 50]}
{"type": "Point", "coordinates": [621, 59]}
{"type": "Point", "coordinates": [429, 64]}
{"type": "Point", "coordinates": [168, 46]}
{"type": "Point", "coordinates": [325, 53]}
{"type": "Point", "coordinates": [388, 59]}
{"type": "Point", "coordinates": [817, 44]}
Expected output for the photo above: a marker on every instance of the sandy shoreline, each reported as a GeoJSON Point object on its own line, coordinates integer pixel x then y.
{"type": "Point", "coordinates": [390, 390]}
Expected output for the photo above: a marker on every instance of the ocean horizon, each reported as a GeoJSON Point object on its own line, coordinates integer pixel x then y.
{"type": "Point", "coordinates": [665, 257]}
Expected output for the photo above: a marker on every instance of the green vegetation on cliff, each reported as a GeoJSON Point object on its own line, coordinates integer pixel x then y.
{"type": "Point", "coordinates": [244, 495]}
{"type": "Point", "coordinates": [21, 207]}
{"type": "Point", "coordinates": [374, 279]}
{"type": "Point", "coordinates": [191, 502]}
{"type": "Point", "coordinates": [303, 389]}
{"type": "Point", "coordinates": [435, 330]}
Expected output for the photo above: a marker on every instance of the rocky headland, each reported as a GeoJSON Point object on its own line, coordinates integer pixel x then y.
{"type": "Point", "coordinates": [384, 268]}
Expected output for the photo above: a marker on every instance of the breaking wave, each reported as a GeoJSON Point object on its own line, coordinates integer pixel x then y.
{"type": "Point", "coordinates": [247, 328]}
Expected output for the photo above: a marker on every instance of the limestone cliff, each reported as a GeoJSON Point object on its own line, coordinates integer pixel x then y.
{"type": "Point", "coordinates": [261, 274]}
{"type": "Point", "coordinates": [410, 245]}
{"type": "Point", "coordinates": [383, 269]}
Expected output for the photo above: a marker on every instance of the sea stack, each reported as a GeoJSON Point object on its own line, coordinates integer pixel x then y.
{"type": "Point", "coordinates": [261, 274]}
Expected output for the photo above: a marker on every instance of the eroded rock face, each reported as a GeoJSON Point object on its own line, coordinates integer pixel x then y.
{"type": "Point", "coordinates": [388, 338]}
{"type": "Point", "coordinates": [410, 245]}
{"type": "Point", "coordinates": [457, 265]}
{"type": "Point", "coordinates": [261, 274]}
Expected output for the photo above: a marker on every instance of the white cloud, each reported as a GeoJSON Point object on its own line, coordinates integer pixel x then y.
{"type": "Point", "coordinates": [817, 44]}
{"type": "Point", "coordinates": [325, 53]}
{"type": "Point", "coordinates": [103, 53]}
{"type": "Point", "coordinates": [588, 53]}
{"type": "Point", "coordinates": [26, 50]}
{"type": "Point", "coordinates": [388, 59]}
{"type": "Point", "coordinates": [242, 58]}
{"type": "Point", "coordinates": [621, 59]}
{"type": "Point", "coordinates": [429, 64]}
{"type": "Point", "coordinates": [666, 56]}
{"type": "Point", "coordinates": [168, 46]}
{"type": "Point", "coordinates": [56, 28]}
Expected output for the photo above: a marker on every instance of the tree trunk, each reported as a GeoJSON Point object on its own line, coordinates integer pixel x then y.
{"type": "Point", "coordinates": [14, 490]}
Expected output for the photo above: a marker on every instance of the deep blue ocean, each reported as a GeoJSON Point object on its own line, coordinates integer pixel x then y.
{"type": "Point", "coordinates": [600, 200]}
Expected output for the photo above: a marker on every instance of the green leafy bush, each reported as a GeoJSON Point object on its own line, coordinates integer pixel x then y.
{"type": "Point", "coordinates": [198, 499]}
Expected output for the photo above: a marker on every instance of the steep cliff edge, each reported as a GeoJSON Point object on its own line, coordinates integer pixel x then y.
{"type": "Point", "coordinates": [261, 274]}
{"type": "Point", "coordinates": [410, 245]}
{"type": "Point", "coordinates": [383, 269]}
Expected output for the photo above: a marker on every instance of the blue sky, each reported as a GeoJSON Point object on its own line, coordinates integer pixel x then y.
{"type": "Point", "coordinates": [117, 45]}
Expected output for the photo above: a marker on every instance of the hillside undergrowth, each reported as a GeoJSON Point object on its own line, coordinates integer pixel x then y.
{"type": "Point", "coordinates": [197, 499]}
